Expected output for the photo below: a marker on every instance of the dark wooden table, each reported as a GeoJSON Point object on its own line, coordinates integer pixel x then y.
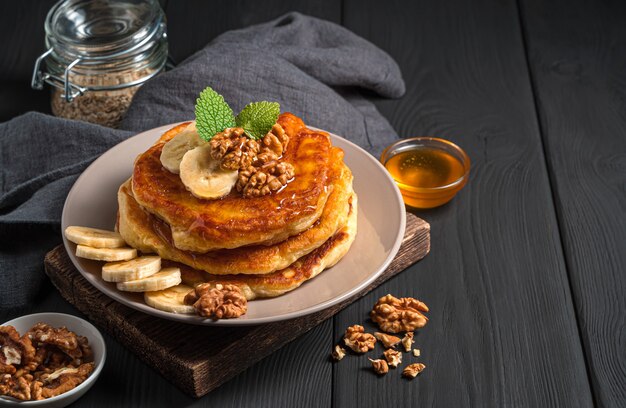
{"type": "Point", "coordinates": [526, 279]}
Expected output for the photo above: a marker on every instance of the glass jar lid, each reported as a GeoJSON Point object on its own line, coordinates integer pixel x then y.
{"type": "Point", "coordinates": [97, 29]}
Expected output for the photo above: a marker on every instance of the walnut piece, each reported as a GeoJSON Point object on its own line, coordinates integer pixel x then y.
{"type": "Point", "coordinates": [276, 140]}
{"type": "Point", "coordinates": [234, 149]}
{"type": "Point", "coordinates": [387, 340]}
{"type": "Point", "coordinates": [238, 152]}
{"type": "Point", "coordinates": [359, 341]}
{"type": "Point", "coordinates": [417, 352]}
{"type": "Point", "coordinates": [395, 315]}
{"type": "Point", "coordinates": [218, 301]}
{"type": "Point", "coordinates": [64, 379]}
{"type": "Point", "coordinates": [338, 353]}
{"type": "Point", "coordinates": [16, 387]}
{"type": "Point", "coordinates": [380, 366]}
{"type": "Point", "coordinates": [407, 341]}
{"type": "Point", "coordinates": [46, 362]}
{"type": "Point", "coordinates": [411, 371]}
{"type": "Point", "coordinates": [62, 340]}
{"type": "Point", "coordinates": [393, 357]}
{"type": "Point", "coordinates": [14, 350]}
{"type": "Point", "coordinates": [260, 181]}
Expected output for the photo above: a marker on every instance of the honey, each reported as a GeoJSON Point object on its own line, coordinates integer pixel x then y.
{"type": "Point", "coordinates": [428, 171]}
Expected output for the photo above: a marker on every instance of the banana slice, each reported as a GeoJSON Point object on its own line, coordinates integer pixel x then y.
{"type": "Point", "coordinates": [106, 254]}
{"type": "Point", "coordinates": [134, 269]}
{"type": "Point", "coordinates": [203, 176]}
{"type": "Point", "coordinates": [170, 300]}
{"type": "Point", "coordinates": [164, 279]}
{"type": "Point", "coordinates": [94, 237]}
{"type": "Point", "coordinates": [175, 149]}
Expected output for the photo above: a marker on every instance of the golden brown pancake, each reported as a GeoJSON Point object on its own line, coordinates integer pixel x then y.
{"type": "Point", "coordinates": [147, 233]}
{"type": "Point", "coordinates": [285, 280]}
{"type": "Point", "coordinates": [233, 221]}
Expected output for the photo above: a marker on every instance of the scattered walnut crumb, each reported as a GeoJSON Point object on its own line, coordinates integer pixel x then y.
{"type": "Point", "coordinates": [411, 371]}
{"type": "Point", "coordinates": [359, 341]}
{"type": "Point", "coordinates": [407, 341]}
{"type": "Point", "coordinates": [393, 357]}
{"type": "Point", "coordinates": [387, 340]}
{"type": "Point", "coordinates": [395, 315]}
{"type": "Point", "coordinates": [217, 301]}
{"type": "Point", "coordinates": [380, 366]}
{"type": "Point", "coordinates": [416, 352]}
{"type": "Point", "coordinates": [338, 353]}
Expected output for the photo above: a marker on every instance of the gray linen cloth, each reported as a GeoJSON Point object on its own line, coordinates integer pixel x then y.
{"type": "Point", "coordinates": [316, 69]}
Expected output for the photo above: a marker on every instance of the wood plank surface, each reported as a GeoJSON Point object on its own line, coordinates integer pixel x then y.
{"type": "Point", "coordinates": [502, 328]}
{"type": "Point", "coordinates": [577, 57]}
{"type": "Point", "coordinates": [191, 24]}
{"type": "Point", "coordinates": [22, 41]}
{"type": "Point", "coordinates": [199, 359]}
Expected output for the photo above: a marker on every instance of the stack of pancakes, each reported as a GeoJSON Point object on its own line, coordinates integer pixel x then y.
{"type": "Point", "coordinates": [266, 245]}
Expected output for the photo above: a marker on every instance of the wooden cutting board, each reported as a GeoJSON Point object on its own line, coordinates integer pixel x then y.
{"type": "Point", "coordinates": [172, 349]}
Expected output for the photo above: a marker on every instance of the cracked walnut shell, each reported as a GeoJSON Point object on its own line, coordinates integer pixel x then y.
{"type": "Point", "coordinates": [359, 341]}
{"type": "Point", "coordinates": [395, 315]}
{"type": "Point", "coordinates": [412, 370]}
{"type": "Point", "coordinates": [218, 301]}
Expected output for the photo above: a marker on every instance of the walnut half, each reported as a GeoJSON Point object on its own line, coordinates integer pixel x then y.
{"type": "Point", "coordinates": [266, 179]}
{"type": "Point", "coordinates": [395, 315]}
{"type": "Point", "coordinates": [218, 301]}
{"type": "Point", "coordinates": [359, 341]}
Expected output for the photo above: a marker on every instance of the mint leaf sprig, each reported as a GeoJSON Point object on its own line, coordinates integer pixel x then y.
{"type": "Point", "coordinates": [213, 115]}
{"type": "Point", "coordinates": [257, 118]}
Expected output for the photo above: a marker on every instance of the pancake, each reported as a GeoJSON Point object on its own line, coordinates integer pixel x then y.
{"type": "Point", "coordinates": [147, 233]}
{"type": "Point", "coordinates": [290, 278]}
{"type": "Point", "coordinates": [233, 221]}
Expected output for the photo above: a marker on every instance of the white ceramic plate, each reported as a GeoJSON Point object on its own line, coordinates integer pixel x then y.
{"type": "Point", "coordinates": [77, 325]}
{"type": "Point", "coordinates": [92, 202]}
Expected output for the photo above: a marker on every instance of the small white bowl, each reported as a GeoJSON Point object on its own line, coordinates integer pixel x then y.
{"type": "Point", "coordinates": [78, 326]}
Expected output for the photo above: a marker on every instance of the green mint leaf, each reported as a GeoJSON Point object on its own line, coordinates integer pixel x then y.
{"type": "Point", "coordinates": [213, 114]}
{"type": "Point", "coordinates": [257, 118]}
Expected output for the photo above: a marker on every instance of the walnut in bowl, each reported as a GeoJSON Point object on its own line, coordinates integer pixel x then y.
{"type": "Point", "coordinates": [71, 382]}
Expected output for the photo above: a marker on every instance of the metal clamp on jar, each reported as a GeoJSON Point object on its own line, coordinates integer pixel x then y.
{"type": "Point", "coordinates": [98, 55]}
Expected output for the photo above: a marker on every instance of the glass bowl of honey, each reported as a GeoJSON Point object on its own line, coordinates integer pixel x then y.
{"type": "Point", "coordinates": [429, 171]}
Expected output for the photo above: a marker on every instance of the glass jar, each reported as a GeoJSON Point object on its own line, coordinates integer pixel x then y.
{"type": "Point", "coordinates": [98, 55]}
